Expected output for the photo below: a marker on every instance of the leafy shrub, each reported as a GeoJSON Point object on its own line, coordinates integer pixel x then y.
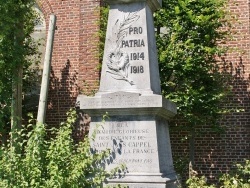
{"type": "Point", "coordinates": [32, 161]}
{"type": "Point", "coordinates": [238, 178]}
{"type": "Point", "coordinates": [196, 182]}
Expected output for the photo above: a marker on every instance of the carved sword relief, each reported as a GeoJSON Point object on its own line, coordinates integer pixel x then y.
{"type": "Point", "coordinates": [117, 60]}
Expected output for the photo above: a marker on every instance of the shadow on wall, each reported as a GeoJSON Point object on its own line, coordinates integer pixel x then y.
{"type": "Point", "coordinates": [62, 94]}
{"type": "Point", "coordinates": [217, 153]}
{"type": "Point", "coordinates": [240, 83]}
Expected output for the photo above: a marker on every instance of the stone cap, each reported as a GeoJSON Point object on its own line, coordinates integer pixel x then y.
{"type": "Point", "coordinates": [155, 178]}
{"type": "Point", "coordinates": [153, 4]}
{"type": "Point", "coordinates": [126, 103]}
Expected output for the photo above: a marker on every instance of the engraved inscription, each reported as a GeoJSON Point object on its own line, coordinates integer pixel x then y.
{"type": "Point", "coordinates": [118, 61]}
{"type": "Point", "coordinates": [121, 100]}
{"type": "Point", "coordinates": [122, 55]}
{"type": "Point", "coordinates": [131, 143]}
{"type": "Point", "coordinates": [135, 30]}
{"type": "Point", "coordinates": [133, 43]}
{"type": "Point", "coordinates": [137, 69]}
{"type": "Point", "coordinates": [137, 56]}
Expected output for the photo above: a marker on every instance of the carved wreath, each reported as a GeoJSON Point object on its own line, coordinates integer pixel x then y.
{"type": "Point", "coordinates": [118, 61]}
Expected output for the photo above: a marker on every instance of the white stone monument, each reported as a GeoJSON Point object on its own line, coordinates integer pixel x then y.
{"type": "Point", "coordinates": [137, 130]}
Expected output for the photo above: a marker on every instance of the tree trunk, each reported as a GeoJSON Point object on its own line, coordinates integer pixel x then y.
{"type": "Point", "coordinates": [16, 106]}
{"type": "Point", "coordinates": [191, 153]}
{"type": "Point", "coordinates": [17, 76]}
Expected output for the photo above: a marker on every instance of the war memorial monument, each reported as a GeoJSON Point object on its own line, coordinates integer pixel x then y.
{"type": "Point", "coordinates": [137, 129]}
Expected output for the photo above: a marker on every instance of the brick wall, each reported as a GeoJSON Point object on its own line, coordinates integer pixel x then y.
{"type": "Point", "coordinates": [75, 70]}
{"type": "Point", "coordinates": [75, 54]}
{"type": "Point", "coordinates": [216, 153]}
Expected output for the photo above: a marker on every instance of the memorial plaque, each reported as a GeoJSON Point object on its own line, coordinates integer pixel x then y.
{"type": "Point", "coordinates": [137, 130]}
{"type": "Point", "coordinates": [130, 57]}
{"type": "Point", "coordinates": [134, 143]}
{"type": "Point", "coordinates": [130, 141]}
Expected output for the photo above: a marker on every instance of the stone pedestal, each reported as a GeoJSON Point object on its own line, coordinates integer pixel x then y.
{"type": "Point", "coordinates": [130, 55]}
{"type": "Point", "coordinates": [137, 130]}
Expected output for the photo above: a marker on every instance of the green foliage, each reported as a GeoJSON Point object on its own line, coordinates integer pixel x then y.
{"type": "Point", "coordinates": [34, 161]}
{"type": "Point", "coordinates": [103, 22]}
{"type": "Point", "coordinates": [181, 165]}
{"type": "Point", "coordinates": [238, 178]}
{"type": "Point", "coordinates": [196, 182]}
{"type": "Point", "coordinates": [17, 23]}
{"type": "Point", "coordinates": [188, 36]}
{"type": "Point", "coordinates": [16, 47]}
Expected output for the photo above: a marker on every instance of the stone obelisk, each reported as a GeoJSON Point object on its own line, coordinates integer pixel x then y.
{"type": "Point", "coordinates": [137, 130]}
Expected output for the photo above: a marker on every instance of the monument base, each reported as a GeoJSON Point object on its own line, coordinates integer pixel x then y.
{"type": "Point", "coordinates": [140, 180]}
{"type": "Point", "coordinates": [137, 132]}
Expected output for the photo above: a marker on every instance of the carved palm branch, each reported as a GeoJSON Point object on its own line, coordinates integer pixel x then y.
{"type": "Point", "coordinates": [119, 31]}
{"type": "Point", "coordinates": [124, 26]}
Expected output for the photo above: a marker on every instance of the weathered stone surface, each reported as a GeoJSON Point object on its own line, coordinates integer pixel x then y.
{"type": "Point", "coordinates": [137, 133]}
{"type": "Point", "coordinates": [137, 130]}
{"type": "Point", "coordinates": [149, 181]}
{"type": "Point", "coordinates": [141, 142]}
{"type": "Point", "coordinates": [126, 103]}
{"type": "Point", "coordinates": [130, 57]}
{"type": "Point", "coordinates": [153, 4]}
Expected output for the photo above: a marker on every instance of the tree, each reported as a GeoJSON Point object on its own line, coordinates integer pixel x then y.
{"type": "Point", "coordinates": [189, 38]}
{"type": "Point", "coordinates": [16, 50]}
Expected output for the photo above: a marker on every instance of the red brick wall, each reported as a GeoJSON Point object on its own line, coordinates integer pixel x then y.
{"type": "Point", "coordinates": [75, 70]}
{"type": "Point", "coordinates": [216, 153]}
{"type": "Point", "coordinates": [74, 62]}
